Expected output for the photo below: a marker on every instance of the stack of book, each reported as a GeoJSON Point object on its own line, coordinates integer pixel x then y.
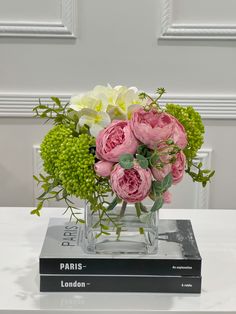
{"type": "Point", "coordinates": [65, 267]}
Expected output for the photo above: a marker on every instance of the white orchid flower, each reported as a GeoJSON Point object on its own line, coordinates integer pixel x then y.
{"type": "Point", "coordinates": [127, 97]}
{"type": "Point", "coordinates": [81, 101]}
{"type": "Point", "coordinates": [118, 102]}
{"type": "Point", "coordinates": [98, 99]}
{"type": "Point", "coordinates": [96, 121]}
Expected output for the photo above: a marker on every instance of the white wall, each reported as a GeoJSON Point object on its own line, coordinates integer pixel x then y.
{"type": "Point", "coordinates": [59, 47]}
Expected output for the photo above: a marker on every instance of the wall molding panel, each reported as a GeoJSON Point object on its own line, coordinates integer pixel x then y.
{"type": "Point", "coordinates": [210, 107]}
{"type": "Point", "coordinates": [66, 28]}
{"type": "Point", "coordinates": [170, 30]}
{"type": "Point", "coordinates": [202, 195]}
{"type": "Point", "coordinates": [13, 105]}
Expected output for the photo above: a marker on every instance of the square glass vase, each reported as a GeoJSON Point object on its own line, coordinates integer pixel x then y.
{"type": "Point", "coordinates": [126, 234]}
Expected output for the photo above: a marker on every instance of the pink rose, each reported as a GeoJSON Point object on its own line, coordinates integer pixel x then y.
{"type": "Point", "coordinates": [103, 168]}
{"type": "Point", "coordinates": [179, 135]}
{"type": "Point", "coordinates": [115, 140]}
{"type": "Point", "coordinates": [131, 185]}
{"type": "Point", "coordinates": [167, 197]}
{"type": "Point", "coordinates": [160, 174]}
{"type": "Point", "coordinates": [152, 127]}
{"type": "Point", "coordinates": [178, 167]}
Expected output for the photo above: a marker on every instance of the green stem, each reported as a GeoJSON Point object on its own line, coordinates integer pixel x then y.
{"type": "Point", "coordinates": [138, 209]}
{"type": "Point", "coordinates": [123, 208]}
{"type": "Point", "coordinates": [122, 213]}
{"type": "Point", "coordinates": [118, 231]}
{"type": "Point", "coordinates": [139, 212]}
{"type": "Point", "coordinates": [143, 208]}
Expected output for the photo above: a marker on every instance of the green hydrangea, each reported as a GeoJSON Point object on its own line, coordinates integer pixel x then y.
{"type": "Point", "coordinates": [192, 122]}
{"type": "Point", "coordinates": [50, 146]}
{"type": "Point", "coordinates": [75, 166]}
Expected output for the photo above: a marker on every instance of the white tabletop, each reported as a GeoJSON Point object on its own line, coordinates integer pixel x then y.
{"type": "Point", "coordinates": [21, 237]}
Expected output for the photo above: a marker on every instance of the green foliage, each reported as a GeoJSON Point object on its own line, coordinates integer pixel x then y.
{"type": "Point", "coordinates": [160, 91]}
{"type": "Point", "coordinates": [151, 158]}
{"type": "Point", "coordinates": [51, 146]}
{"type": "Point", "coordinates": [167, 182]}
{"type": "Point", "coordinates": [143, 162]}
{"type": "Point", "coordinates": [52, 189]}
{"type": "Point", "coordinates": [153, 101]}
{"type": "Point", "coordinates": [201, 175]}
{"type": "Point", "coordinates": [148, 156]}
{"type": "Point", "coordinates": [113, 203]}
{"type": "Point", "coordinates": [57, 112]}
{"type": "Point", "coordinates": [144, 150]}
{"type": "Point", "coordinates": [192, 122]}
{"type": "Point", "coordinates": [158, 203]}
{"type": "Point", "coordinates": [154, 158]}
{"type": "Point", "coordinates": [68, 153]}
{"type": "Point", "coordinates": [74, 166]}
{"type": "Point", "coordinates": [158, 188]}
{"type": "Point", "coordinates": [126, 161]}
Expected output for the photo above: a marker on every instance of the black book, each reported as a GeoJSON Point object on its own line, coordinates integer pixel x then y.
{"type": "Point", "coordinates": [177, 255]}
{"type": "Point", "coordinates": [120, 283]}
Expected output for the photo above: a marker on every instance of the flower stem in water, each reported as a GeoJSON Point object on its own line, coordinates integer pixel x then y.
{"type": "Point", "coordinates": [138, 212]}
{"type": "Point", "coordinates": [122, 213]}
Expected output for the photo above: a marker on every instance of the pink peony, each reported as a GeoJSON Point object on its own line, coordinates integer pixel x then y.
{"type": "Point", "coordinates": [152, 127]}
{"type": "Point", "coordinates": [159, 174]}
{"type": "Point", "coordinates": [131, 185]}
{"type": "Point", "coordinates": [179, 135]}
{"type": "Point", "coordinates": [178, 167]}
{"type": "Point", "coordinates": [103, 168]}
{"type": "Point", "coordinates": [167, 197]}
{"type": "Point", "coordinates": [117, 139]}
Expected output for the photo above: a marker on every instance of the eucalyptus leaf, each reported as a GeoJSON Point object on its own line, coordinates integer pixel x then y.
{"type": "Point", "coordinates": [126, 161]}
{"type": "Point", "coordinates": [157, 187]}
{"type": "Point", "coordinates": [167, 182]}
{"type": "Point", "coordinates": [157, 204]}
{"type": "Point", "coordinates": [144, 150]}
{"type": "Point", "coordinates": [113, 203]}
{"type": "Point", "coordinates": [143, 162]}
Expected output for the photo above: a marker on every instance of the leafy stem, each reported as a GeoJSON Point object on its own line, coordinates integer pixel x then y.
{"type": "Point", "coordinates": [202, 175]}
{"type": "Point", "coordinates": [57, 112]}
{"type": "Point", "coordinates": [53, 190]}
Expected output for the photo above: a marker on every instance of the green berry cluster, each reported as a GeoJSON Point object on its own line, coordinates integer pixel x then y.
{"type": "Point", "coordinates": [192, 122]}
{"type": "Point", "coordinates": [75, 166]}
{"type": "Point", "coordinates": [50, 146]}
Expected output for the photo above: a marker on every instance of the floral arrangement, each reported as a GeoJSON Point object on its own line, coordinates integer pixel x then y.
{"type": "Point", "coordinates": [117, 141]}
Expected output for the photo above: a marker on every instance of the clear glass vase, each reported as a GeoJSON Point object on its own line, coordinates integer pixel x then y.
{"type": "Point", "coordinates": [127, 233]}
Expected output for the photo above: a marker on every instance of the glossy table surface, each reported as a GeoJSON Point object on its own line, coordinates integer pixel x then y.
{"type": "Point", "coordinates": [21, 237]}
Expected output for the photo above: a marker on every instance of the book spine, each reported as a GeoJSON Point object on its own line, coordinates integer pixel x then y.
{"type": "Point", "coordinates": [99, 266]}
{"type": "Point", "coordinates": [168, 284]}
